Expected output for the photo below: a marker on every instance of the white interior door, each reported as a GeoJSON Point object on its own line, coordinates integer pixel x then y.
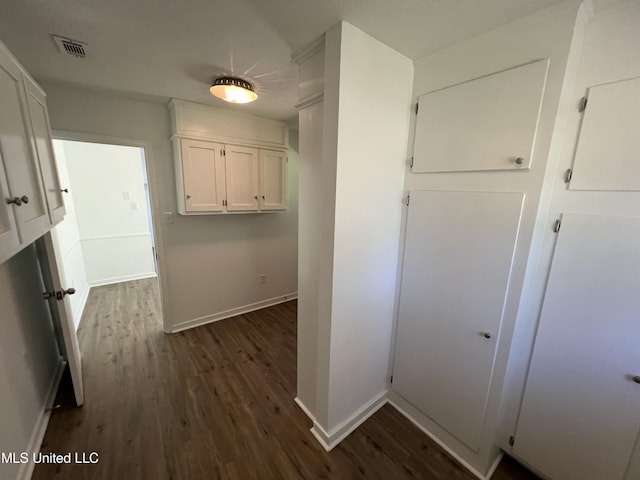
{"type": "Point", "coordinates": [580, 414]}
{"type": "Point", "coordinates": [61, 311]}
{"type": "Point", "coordinates": [457, 263]}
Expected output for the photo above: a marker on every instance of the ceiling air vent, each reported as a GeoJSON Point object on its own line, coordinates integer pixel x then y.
{"type": "Point", "coordinates": [70, 47]}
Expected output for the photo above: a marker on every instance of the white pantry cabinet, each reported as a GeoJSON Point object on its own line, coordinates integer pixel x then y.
{"type": "Point", "coordinates": [227, 162]}
{"type": "Point", "coordinates": [31, 198]}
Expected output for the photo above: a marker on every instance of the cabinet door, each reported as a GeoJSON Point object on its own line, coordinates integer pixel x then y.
{"type": "Point", "coordinates": [273, 180]}
{"type": "Point", "coordinates": [580, 415]}
{"type": "Point", "coordinates": [42, 144]}
{"type": "Point", "coordinates": [20, 162]}
{"type": "Point", "coordinates": [457, 264]}
{"type": "Point", "coordinates": [9, 240]}
{"type": "Point", "coordinates": [202, 176]}
{"type": "Point", "coordinates": [242, 178]}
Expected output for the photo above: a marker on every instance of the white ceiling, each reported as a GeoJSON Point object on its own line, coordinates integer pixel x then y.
{"type": "Point", "coordinates": [175, 49]}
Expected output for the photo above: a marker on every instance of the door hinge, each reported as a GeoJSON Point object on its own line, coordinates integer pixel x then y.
{"type": "Point", "coordinates": [567, 176]}
{"type": "Point", "coordinates": [417, 107]}
{"type": "Point", "coordinates": [556, 225]}
{"type": "Point", "coordinates": [411, 163]}
{"type": "Point", "coordinates": [391, 379]}
{"type": "Point", "coordinates": [512, 440]}
{"type": "Point", "coordinates": [407, 200]}
{"type": "Point", "coordinates": [583, 104]}
{"type": "Point", "coordinates": [224, 203]}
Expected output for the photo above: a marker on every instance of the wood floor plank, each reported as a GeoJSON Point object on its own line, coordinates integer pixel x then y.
{"type": "Point", "coordinates": [215, 402]}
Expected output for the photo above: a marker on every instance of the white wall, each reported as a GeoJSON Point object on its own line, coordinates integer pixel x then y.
{"type": "Point", "coordinates": [547, 34]}
{"type": "Point", "coordinates": [29, 358]}
{"type": "Point", "coordinates": [107, 186]}
{"type": "Point", "coordinates": [66, 240]}
{"type": "Point", "coordinates": [211, 264]}
{"type": "Point", "coordinates": [609, 51]}
{"type": "Point", "coordinates": [354, 147]}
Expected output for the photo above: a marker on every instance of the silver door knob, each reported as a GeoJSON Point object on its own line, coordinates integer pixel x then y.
{"type": "Point", "coordinates": [636, 379]}
{"type": "Point", "coordinates": [486, 334]}
{"type": "Point", "coordinates": [17, 201]}
{"type": "Point", "coordinates": [519, 160]}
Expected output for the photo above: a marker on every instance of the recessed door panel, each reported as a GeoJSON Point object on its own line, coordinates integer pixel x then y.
{"type": "Point", "coordinates": [488, 123]}
{"type": "Point", "coordinates": [459, 249]}
{"type": "Point", "coordinates": [242, 178]}
{"type": "Point", "coordinates": [580, 415]}
{"type": "Point", "coordinates": [608, 151]}
{"type": "Point", "coordinates": [203, 172]}
{"type": "Point", "coordinates": [273, 180]}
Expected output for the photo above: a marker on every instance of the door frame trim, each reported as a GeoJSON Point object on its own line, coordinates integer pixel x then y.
{"type": "Point", "coordinates": [156, 214]}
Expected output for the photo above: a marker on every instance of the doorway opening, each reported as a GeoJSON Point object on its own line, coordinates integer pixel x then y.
{"type": "Point", "coordinates": [107, 235]}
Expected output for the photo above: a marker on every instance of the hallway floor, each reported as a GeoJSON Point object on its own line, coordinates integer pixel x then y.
{"type": "Point", "coordinates": [215, 402]}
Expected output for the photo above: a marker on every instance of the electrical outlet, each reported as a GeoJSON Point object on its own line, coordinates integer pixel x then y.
{"type": "Point", "coordinates": [168, 218]}
{"type": "Point", "coordinates": [263, 278]}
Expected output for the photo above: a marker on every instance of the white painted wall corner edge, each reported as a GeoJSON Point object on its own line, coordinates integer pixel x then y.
{"type": "Point", "coordinates": [40, 427]}
{"type": "Point", "coordinates": [214, 317]}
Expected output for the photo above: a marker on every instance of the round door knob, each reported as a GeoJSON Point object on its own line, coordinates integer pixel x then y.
{"type": "Point", "coordinates": [24, 199]}
{"type": "Point", "coordinates": [636, 378]}
{"type": "Point", "coordinates": [17, 201]}
{"type": "Point", "coordinates": [519, 160]}
{"type": "Point", "coordinates": [69, 291]}
{"type": "Point", "coordinates": [486, 334]}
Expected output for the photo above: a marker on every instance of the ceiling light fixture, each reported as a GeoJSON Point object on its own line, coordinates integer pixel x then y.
{"type": "Point", "coordinates": [232, 89]}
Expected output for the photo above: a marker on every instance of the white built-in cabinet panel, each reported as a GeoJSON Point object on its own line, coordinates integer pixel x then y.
{"type": "Point", "coordinates": [459, 249]}
{"type": "Point", "coordinates": [608, 151]}
{"type": "Point", "coordinates": [242, 178]}
{"type": "Point", "coordinates": [273, 180]}
{"type": "Point", "coordinates": [43, 147]}
{"type": "Point", "coordinates": [9, 240]}
{"type": "Point", "coordinates": [456, 126]}
{"type": "Point", "coordinates": [580, 415]}
{"type": "Point", "coordinates": [21, 166]}
{"type": "Point", "coordinates": [203, 176]}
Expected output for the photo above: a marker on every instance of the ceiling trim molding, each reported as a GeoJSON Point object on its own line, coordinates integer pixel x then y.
{"type": "Point", "coordinates": [306, 102]}
{"type": "Point", "coordinates": [316, 46]}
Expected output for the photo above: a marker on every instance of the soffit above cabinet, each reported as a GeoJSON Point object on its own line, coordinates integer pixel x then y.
{"type": "Point", "coordinates": [196, 121]}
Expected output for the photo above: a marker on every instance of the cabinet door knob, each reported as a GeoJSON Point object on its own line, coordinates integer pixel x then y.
{"type": "Point", "coordinates": [263, 197]}
{"type": "Point", "coordinates": [636, 378]}
{"type": "Point", "coordinates": [519, 160]}
{"type": "Point", "coordinates": [24, 199]}
{"type": "Point", "coordinates": [188, 196]}
{"type": "Point", "coordinates": [256, 197]}
{"type": "Point", "coordinates": [486, 334]}
{"type": "Point", "coordinates": [17, 201]}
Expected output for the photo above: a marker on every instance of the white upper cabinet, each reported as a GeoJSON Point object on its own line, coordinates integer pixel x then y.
{"type": "Point", "coordinates": [273, 180]}
{"type": "Point", "coordinates": [456, 126]}
{"type": "Point", "coordinates": [201, 178]}
{"type": "Point", "coordinates": [227, 162]}
{"type": "Point", "coordinates": [43, 147]}
{"type": "Point", "coordinates": [21, 166]}
{"type": "Point", "coordinates": [242, 178]}
{"type": "Point", "coordinates": [31, 201]}
{"type": "Point", "coordinates": [607, 155]}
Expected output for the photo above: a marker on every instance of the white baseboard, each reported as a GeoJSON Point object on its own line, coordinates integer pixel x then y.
{"type": "Point", "coordinates": [329, 440]}
{"type": "Point", "coordinates": [214, 317]}
{"type": "Point", "coordinates": [442, 445]}
{"type": "Point", "coordinates": [306, 411]}
{"type": "Point", "coordinates": [493, 468]}
{"type": "Point", "coordinates": [40, 427]}
{"type": "Point", "coordinates": [124, 278]}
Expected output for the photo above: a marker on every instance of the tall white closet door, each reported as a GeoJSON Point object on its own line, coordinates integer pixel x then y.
{"type": "Point", "coordinates": [459, 249]}
{"type": "Point", "coordinates": [580, 415]}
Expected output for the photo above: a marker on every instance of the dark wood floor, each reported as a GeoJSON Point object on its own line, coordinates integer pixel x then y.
{"type": "Point", "coordinates": [215, 402]}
